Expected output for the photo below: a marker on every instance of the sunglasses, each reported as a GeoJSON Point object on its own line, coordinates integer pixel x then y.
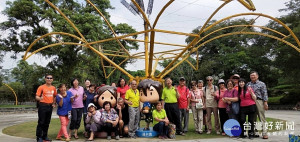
{"type": "Point", "coordinates": [209, 80]}
{"type": "Point", "coordinates": [49, 78]}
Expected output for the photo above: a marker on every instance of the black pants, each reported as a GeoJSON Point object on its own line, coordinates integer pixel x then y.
{"type": "Point", "coordinates": [250, 111]}
{"type": "Point", "coordinates": [76, 118]}
{"type": "Point", "coordinates": [172, 112]}
{"type": "Point", "coordinates": [44, 113]}
{"type": "Point", "coordinates": [84, 124]}
{"type": "Point", "coordinates": [223, 117]}
{"type": "Point", "coordinates": [161, 128]}
{"type": "Point", "coordinates": [108, 127]}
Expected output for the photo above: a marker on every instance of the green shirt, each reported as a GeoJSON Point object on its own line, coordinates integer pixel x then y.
{"type": "Point", "coordinates": [133, 97]}
{"type": "Point", "coordinates": [160, 115]}
{"type": "Point", "coordinates": [169, 95]}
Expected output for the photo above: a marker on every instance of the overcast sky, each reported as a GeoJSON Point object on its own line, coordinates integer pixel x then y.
{"type": "Point", "coordinates": [180, 16]}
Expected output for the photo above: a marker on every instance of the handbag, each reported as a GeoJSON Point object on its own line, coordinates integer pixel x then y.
{"type": "Point", "coordinates": [235, 106]}
{"type": "Point", "coordinates": [199, 105]}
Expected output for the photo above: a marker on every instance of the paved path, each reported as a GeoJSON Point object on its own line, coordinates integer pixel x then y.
{"type": "Point", "coordinates": [290, 116]}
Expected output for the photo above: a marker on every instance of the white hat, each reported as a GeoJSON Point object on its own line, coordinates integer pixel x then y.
{"type": "Point", "coordinates": [91, 105]}
{"type": "Point", "coordinates": [221, 81]}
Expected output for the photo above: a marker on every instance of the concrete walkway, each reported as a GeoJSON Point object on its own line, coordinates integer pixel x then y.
{"type": "Point", "coordinates": [290, 116]}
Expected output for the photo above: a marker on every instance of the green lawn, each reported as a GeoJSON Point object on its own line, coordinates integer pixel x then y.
{"type": "Point", "coordinates": [275, 100]}
{"type": "Point", "coordinates": [15, 106]}
{"type": "Point", "coordinates": [28, 130]}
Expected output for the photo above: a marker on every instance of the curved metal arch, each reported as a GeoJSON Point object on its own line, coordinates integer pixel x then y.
{"type": "Point", "coordinates": [45, 35]}
{"type": "Point", "coordinates": [142, 12]}
{"type": "Point", "coordinates": [161, 11]}
{"type": "Point", "coordinates": [258, 14]}
{"type": "Point", "coordinates": [52, 45]}
{"type": "Point", "coordinates": [194, 40]}
{"type": "Point", "coordinates": [223, 35]}
{"type": "Point", "coordinates": [11, 89]}
{"type": "Point", "coordinates": [250, 33]}
{"type": "Point", "coordinates": [68, 20]}
{"type": "Point", "coordinates": [226, 18]}
{"type": "Point", "coordinates": [109, 25]}
{"type": "Point", "coordinates": [233, 26]}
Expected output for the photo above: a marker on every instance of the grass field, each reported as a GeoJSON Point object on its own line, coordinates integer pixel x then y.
{"type": "Point", "coordinates": [28, 129]}
{"type": "Point", "coordinates": [15, 106]}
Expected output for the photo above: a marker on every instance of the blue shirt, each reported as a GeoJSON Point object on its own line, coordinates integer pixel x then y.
{"type": "Point", "coordinates": [89, 99]}
{"type": "Point", "coordinates": [66, 106]}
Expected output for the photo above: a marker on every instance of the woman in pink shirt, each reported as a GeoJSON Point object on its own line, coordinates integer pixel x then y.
{"type": "Point", "coordinates": [230, 96]}
{"type": "Point", "coordinates": [197, 94]}
{"type": "Point", "coordinates": [221, 104]}
{"type": "Point", "coordinates": [122, 87]}
{"type": "Point", "coordinates": [77, 107]}
{"type": "Point", "coordinates": [248, 107]}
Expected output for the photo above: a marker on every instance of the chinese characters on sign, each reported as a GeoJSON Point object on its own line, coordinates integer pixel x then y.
{"type": "Point", "coordinates": [284, 130]}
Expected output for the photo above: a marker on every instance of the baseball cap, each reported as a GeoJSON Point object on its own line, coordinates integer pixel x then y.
{"type": "Point", "coordinates": [181, 78]}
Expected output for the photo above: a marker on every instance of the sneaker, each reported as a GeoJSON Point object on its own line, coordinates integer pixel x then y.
{"type": "Point", "coordinates": [242, 136]}
{"type": "Point", "coordinates": [208, 132]}
{"type": "Point", "coordinates": [165, 137]}
{"type": "Point", "coordinates": [200, 132]}
{"type": "Point", "coordinates": [39, 139]}
{"type": "Point", "coordinates": [133, 137]}
{"type": "Point", "coordinates": [182, 134]}
{"type": "Point", "coordinates": [265, 137]}
{"type": "Point", "coordinates": [218, 133]}
{"type": "Point", "coordinates": [67, 140]}
{"type": "Point", "coordinates": [160, 137]}
{"type": "Point", "coordinates": [117, 137]}
{"type": "Point", "coordinates": [59, 138]}
{"type": "Point", "coordinates": [108, 137]}
{"type": "Point", "coordinates": [223, 134]}
{"type": "Point", "coordinates": [47, 139]}
{"type": "Point", "coordinates": [251, 137]}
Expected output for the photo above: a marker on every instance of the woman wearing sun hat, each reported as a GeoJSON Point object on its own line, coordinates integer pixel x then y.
{"type": "Point", "coordinates": [221, 104]}
{"type": "Point", "coordinates": [93, 121]}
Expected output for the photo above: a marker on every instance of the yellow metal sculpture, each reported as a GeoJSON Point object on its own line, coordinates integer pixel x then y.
{"type": "Point", "coordinates": [149, 40]}
{"type": "Point", "coordinates": [12, 90]}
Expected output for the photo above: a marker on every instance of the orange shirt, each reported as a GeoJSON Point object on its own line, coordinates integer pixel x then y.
{"type": "Point", "coordinates": [48, 93]}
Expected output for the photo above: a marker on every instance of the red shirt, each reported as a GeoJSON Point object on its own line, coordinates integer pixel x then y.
{"type": "Point", "coordinates": [122, 91]}
{"type": "Point", "coordinates": [247, 100]}
{"type": "Point", "coordinates": [184, 95]}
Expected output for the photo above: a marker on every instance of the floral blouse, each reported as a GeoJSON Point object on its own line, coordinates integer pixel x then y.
{"type": "Point", "coordinates": [112, 115]}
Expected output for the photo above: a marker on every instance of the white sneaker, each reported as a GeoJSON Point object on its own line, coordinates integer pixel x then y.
{"type": "Point", "coordinates": [108, 137]}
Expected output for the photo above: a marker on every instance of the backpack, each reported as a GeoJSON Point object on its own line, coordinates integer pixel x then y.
{"type": "Point", "coordinates": [172, 131]}
{"type": "Point", "coordinates": [215, 88]}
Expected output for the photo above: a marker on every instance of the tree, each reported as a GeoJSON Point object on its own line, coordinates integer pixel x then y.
{"type": "Point", "coordinates": [26, 22]}
{"type": "Point", "coordinates": [284, 56]}
{"type": "Point", "coordinates": [234, 54]}
{"type": "Point", "coordinates": [30, 77]}
{"type": "Point", "coordinates": [1, 75]}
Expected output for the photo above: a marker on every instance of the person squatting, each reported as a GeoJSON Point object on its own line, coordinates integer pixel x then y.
{"type": "Point", "coordinates": [117, 110]}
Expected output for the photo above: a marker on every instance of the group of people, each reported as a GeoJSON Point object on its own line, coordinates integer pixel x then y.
{"type": "Point", "coordinates": [118, 109]}
{"type": "Point", "coordinates": [233, 99]}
